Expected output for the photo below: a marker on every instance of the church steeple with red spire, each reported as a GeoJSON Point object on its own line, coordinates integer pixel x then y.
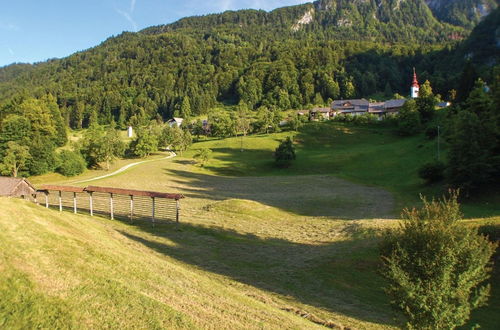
{"type": "Point", "coordinates": [414, 86]}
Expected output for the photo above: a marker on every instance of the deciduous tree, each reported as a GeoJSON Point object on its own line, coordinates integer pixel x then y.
{"type": "Point", "coordinates": [15, 158]}
{"type": "Point", "coordinates": [203, 156]}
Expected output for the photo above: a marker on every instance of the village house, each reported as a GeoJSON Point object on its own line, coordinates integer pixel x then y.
{"type": "Point", "coordinates": [377, 109]}
{"type": "Point", "coordinates": [320, 113]}
{"type": "Point", "coordinates": [16, 187]}
{"type": "Point", "coordinates": [443, 104]}
{"type": "Point", "coordinates": [303, 113]}
{"type": "Point", "coordinates": [350, 107]}
{"type": "Point", "coordinates": [393, 106]}
{"type": "Point", "coordinates": [357, 107]}
{"type": "Point", "coordinates": [175, 122]}
{"type": "Point", "coordinates": [362, 106]}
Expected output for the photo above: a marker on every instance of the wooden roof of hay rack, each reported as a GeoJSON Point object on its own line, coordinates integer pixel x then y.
{"type": "Point", "coordinates": [110, 190]}
{"type": "Point", "coordinates": [47, 187]}
{"type": "Point", "coordinates": [131, 192]}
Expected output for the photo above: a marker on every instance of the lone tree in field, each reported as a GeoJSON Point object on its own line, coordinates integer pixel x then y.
{"type": "Point", "coordinates": [203, 156]}
{"type": "Point", "coordinates": [285, 153]}
{"type": "Point", "coordinates": [243, 122]}
{"type": "Point", "coordinates": [436, 266]}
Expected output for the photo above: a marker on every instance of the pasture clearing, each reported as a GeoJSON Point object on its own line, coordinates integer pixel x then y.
{"type": "Point", "coordinates": [300, 239]}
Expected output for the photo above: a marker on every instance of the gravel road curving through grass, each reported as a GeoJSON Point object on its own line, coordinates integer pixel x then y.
{"type": "Point", "coordinates": [126, 167]}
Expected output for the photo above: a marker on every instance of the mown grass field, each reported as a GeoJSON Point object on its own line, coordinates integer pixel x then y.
{"type": "Point", "coordinates": [372, 156]}
{"type": "Point", "coordinates": [278, 243]}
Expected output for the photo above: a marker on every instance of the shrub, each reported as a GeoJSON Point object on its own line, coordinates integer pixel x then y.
{"type": "Point", "coordinates": [431, 133]}
{"type": "Point", "coordinates": [432, 172]}
{"type": "Point", "coordinates": [436, 266]}
{"type": "Point", "coordinates": [71, 163]}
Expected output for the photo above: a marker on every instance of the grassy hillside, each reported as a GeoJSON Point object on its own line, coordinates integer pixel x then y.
{"type": "Point", "coordinates": [240, 265]}
{"type": "Point", "coordinates": [286, 242]}
{"type": "Point", "coordinates": [63, 270]}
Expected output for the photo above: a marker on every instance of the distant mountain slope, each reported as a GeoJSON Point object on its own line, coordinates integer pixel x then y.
{"type": "Point", "coordinates": [465, 13]}
{"type": "Point", "coordinates": [389, 20]}
{"type": "Point", "coordinates": [483, 44]}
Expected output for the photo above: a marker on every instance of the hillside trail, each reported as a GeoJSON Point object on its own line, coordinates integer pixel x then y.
{"type": "Point", "coordinates": [126, 167]}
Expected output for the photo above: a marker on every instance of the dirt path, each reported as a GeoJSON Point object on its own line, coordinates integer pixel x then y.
{"type": "Point", "coordinates": [126, 167]}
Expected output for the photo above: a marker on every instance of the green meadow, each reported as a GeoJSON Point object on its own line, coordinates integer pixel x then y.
{"type": "Point", "coordinates": [258, 246]}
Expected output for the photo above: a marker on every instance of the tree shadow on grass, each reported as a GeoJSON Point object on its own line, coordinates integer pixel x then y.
{"type": "Point", "coordinates": [307, 195]}
{"type": "Point", "coordinates": [184, 161]}
{"type": "Point", "coordinates": [340, 277]}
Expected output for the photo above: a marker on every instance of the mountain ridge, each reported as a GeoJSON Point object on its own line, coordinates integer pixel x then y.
{"type": "Point", "coordinates": [460, 13]}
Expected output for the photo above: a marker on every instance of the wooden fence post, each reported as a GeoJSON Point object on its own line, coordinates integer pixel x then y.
{"type": "Point", "coordinates": [177, 208]}
{"type": "Point", "coordinates": [153, 211]}
{"type": "Point", "coordinates": [91, 205]}
{"type": "Point", "coordinates": [60, 201]}
{"type": "Point", "coordinates": [131, 207]}
{"type": "Point", "coordinates": [111, 206]}
{"type": "Point", "coordinates": [47, 200]}
{"type": "Point", "coordinates": [36, 200]}
{"type": "Point", "coordinates": [74, 202]}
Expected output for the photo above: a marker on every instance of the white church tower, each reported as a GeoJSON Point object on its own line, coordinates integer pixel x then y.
{"type": "Point", "coordinates": [414, 86]}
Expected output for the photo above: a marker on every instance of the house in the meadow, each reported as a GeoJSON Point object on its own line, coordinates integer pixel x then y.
{"type": "Point", "coordinates": [175, 122]}
{"type": "Point", "coordinates": [16, 187]}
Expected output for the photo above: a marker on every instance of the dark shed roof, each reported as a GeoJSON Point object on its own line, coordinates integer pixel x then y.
{"type": "Point", "coordinates": [395, 103]}
{"type": "Point", "coordinates": [357, 102]}
{"type": "Point", "coordinates": [8, 185]}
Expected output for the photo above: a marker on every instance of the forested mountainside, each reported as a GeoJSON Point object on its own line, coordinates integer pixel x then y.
{"type": "Point", "coordinates": [288, 58]}
{"type": "Point", "coordinates": [465, 13]}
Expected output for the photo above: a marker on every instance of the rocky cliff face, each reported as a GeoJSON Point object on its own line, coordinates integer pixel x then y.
{"type": "Point", "coordinates": [465, 13]}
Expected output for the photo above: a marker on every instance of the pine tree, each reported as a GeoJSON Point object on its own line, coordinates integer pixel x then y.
{"type": "Point", "coordinates": [474, 139]}
{"type": "Point", "coordinates": [467, 80]}
{"type": "Point", "coordinates": [285, 153]}
{"type": "Point", "coordinates": [185, 111]}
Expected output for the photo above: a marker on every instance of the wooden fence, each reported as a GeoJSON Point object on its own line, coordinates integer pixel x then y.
{"type": "Point", "coordinates": [112, 202]}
